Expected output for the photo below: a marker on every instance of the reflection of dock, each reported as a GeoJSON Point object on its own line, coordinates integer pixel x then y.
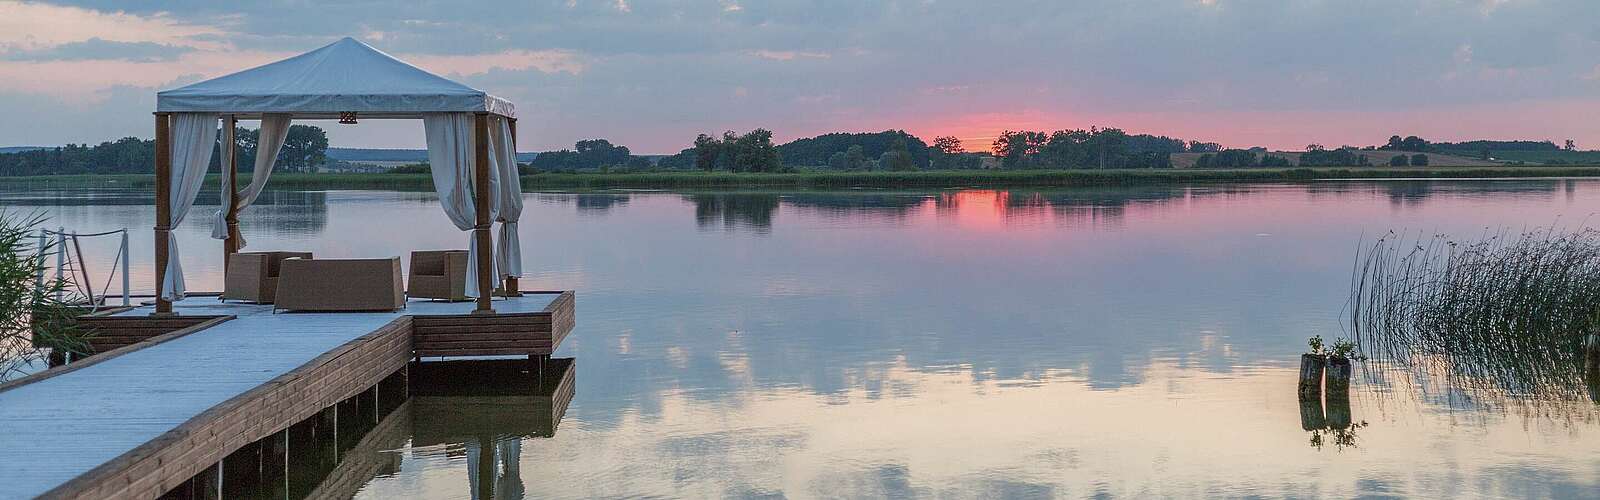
{"type": "Point", "coordinates": [339, 451]}
{"type": "Point", "coordinates": [469, 403]}
{"type": "Point", "coordinates": [485, 421]}
{"type": "Point", "coordinates": [144, 419]}
{"type": "Point", "coordinates": [375, 455]}
{"type": "Point", "coordinates": [456, 400]}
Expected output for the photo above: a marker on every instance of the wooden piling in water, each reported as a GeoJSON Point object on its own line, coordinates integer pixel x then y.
{"type": "Point", "coordinates": [1311, 368]}
{"type": "Point", "coordinates": [1337, 378]}
{"type": "Point", "coordinates": [1311, 417]}
{"type": "Point", "coordinates": [1338, 408]}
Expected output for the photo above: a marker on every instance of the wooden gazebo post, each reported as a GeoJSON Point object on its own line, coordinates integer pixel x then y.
{"type": "Point", "coordinates": [512, 289]}
{"type": "Point", "coordinates": [480, 198]}
{"type": "Point", "coordinates": [230, 151]}
{"type": "Point", "coordinates": [163, 205]}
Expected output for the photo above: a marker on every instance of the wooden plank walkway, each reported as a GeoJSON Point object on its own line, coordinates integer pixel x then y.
{"type": "Point", "coordinates": [58, 428]}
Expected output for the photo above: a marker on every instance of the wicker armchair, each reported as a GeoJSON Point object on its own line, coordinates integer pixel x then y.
{"type": "Point", "coordinates": [438, 274]}
{"type": "Point", "coordinates": [253, 276]}
{"type": "Point", "coordinates": [341, 285]}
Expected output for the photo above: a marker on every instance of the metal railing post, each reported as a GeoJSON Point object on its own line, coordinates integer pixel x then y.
{"type": "Point", "coordinates": [61, 258]}
{"type": "Point", "coordinates": [125, 258]}
{"type": "Point", "coordinates": [44, 241]}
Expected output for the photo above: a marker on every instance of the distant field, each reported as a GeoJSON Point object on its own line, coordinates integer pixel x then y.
{"type": "Point", "coordinates": [1377, 158]}
{"type": "Point", "coordinates": [944, 179]}
{"type": "Point", "coordinates": [1570, 157]}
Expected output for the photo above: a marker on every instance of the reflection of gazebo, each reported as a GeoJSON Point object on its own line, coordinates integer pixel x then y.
{"type": "Point", "coordinates": [471, 139]}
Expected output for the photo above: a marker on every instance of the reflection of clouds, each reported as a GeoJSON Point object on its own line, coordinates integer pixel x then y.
{"type": "Point", "coordinates": [1482, 394]}
{"type": "Point", "coordinates": [1185, 433]}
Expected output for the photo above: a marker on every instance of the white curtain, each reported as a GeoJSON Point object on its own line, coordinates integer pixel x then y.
{"type": "Point", "coordinates": [193, 135]}
{"type": "Point", "coordinates": [269, 141]}
{"type": "Point", "coordinates": [508, 206]}
{"type": "Point", "coordinates": [451, 160]}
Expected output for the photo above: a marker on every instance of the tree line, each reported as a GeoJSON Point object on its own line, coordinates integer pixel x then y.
{"type": "Point", "coordinates": [754, 151]}
{"type": "Point", "coordinates": [304, 149]}
{"type": "Point", "coordinates": [1092, 148]}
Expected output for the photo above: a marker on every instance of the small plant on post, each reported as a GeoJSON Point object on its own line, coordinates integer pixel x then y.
{"type": "Point", "coordinates": [1339, 368]}
{"type": "Point", "coordinates": [1312, 365]}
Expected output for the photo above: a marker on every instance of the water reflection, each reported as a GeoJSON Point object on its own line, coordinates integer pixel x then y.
{"type": "Point", "coordinates": [749, 211]}
{"type": "Point", "coordinates": [1124, 341]}
{"type": "Point", "coordinates": [471, 415]}
{"type": "Point", "coordinates": [601, 203]}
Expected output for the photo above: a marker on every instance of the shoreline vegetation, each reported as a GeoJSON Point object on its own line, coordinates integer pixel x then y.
{"type": "Point", "coordinates": [863, 179]}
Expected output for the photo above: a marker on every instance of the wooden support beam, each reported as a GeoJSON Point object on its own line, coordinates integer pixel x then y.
{"type": "Point", "coordinates": [512, 288]}
{"type": "Point", "coordinates": [480, 198]}
{"type": "Point", "coordinates": [230, 145]}
{"type": "Point", "coordinates": [163, 204]}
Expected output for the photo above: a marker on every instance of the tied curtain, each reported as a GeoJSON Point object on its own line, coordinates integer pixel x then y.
{"type": "Point", "coordinates": [451, 159]}
{"type": "Point", "coordinates": [193, 137]}
{"type": "Point", "coordinates": [274, 130]}
{"type": "Point", "coordinates": [508, 197]}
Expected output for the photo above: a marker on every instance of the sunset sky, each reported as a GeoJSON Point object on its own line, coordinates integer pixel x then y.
{"type": "Point", "coordinates": [652, 74]}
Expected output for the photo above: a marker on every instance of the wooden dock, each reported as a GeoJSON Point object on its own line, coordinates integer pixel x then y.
{"type": "Point", "coordinates": [140, 420]}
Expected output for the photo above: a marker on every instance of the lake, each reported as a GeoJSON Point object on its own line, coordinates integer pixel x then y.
{"type": "Point", "coordinates": [1138, 341]}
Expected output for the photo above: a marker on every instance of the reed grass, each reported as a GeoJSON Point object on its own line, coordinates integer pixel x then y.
{"type": "Point", "coordinates": [1505, 315]}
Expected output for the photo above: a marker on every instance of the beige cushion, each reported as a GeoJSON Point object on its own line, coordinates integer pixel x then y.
{"type": "Point", "coordinates": [340, 285]}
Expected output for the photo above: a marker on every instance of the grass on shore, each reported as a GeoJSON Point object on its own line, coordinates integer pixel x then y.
{"type": "Point", "coordinates": [807, 180]}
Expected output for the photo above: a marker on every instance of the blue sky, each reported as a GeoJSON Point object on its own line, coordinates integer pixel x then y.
{"type": "Point", "coordinates": [652, 74]}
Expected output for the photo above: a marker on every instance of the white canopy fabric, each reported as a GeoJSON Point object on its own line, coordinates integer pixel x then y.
{"type": "Point", "coordinates": [345, 76]}
{"type": "Point", "coordinates": [194, 136]}
{"type": "Point", "coordinates": [452, 162]}
{"type": "Point", "coordinates": [507, 199]}
{"type": "Point", "coordinates": [274, 131]}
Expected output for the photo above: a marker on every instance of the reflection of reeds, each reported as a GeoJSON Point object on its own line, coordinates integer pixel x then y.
{"type": "Point", "coordinates": [1506, 315]}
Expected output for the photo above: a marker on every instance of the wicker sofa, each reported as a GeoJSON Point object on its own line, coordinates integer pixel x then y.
{"type": "Point", "coordinates": [438, 274]}
{"type": "Point", "coordinates": [253, 276]}
{"type": "Point", "coordinates": [340, 285]}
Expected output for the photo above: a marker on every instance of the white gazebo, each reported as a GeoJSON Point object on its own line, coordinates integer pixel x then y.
{"type": "Point", "coordinates": [471, 137]}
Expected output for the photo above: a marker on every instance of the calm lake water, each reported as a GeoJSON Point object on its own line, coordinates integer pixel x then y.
{"type": "Point", "coordinates": [966, 343]}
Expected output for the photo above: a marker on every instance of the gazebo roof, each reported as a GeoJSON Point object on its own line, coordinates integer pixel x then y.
{"type": "Point", "coordinates": [344, 76]}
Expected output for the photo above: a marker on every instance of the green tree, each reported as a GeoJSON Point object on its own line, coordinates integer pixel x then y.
{"type": "Point", "coordinates": [945, 153]}
{"type": "Point", "coordinates": [1275, 161]}
{"type": "Point", "coordinates": [1107, 143]}
{"type": "Point", "coordinates": [1419, 160]}
{"type": "Point", "coordinates": [1019, 149]}
{"type": "Point", "coordinates": [706, 150]}
{"type": "Point", "coordinates": [1399, 161]}
{"type": "Point", "coordinates": [855, 158]}
{"type": "Point", "coordinates": [897, 158]}
{"type": "Point", "coordinates": [304, 148]}
{"type": "Point", "coordinates": [754, 152]}
{"type": "Point", "coordinates": [815, 151]}
{"type": "Point", "coordinates": [839, 161]}
{"type": "Point", "coordinates": [1413, 143]}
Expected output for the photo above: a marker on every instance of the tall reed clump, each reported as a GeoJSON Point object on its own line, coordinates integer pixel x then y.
{"type": "Point", "coordinates": [1508, 313]}
{"type": "Point", "coordinates": [31, 316]}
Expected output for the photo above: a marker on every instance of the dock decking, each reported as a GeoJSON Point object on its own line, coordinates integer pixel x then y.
{"type": "Point", "coordinates": [117, 425]}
